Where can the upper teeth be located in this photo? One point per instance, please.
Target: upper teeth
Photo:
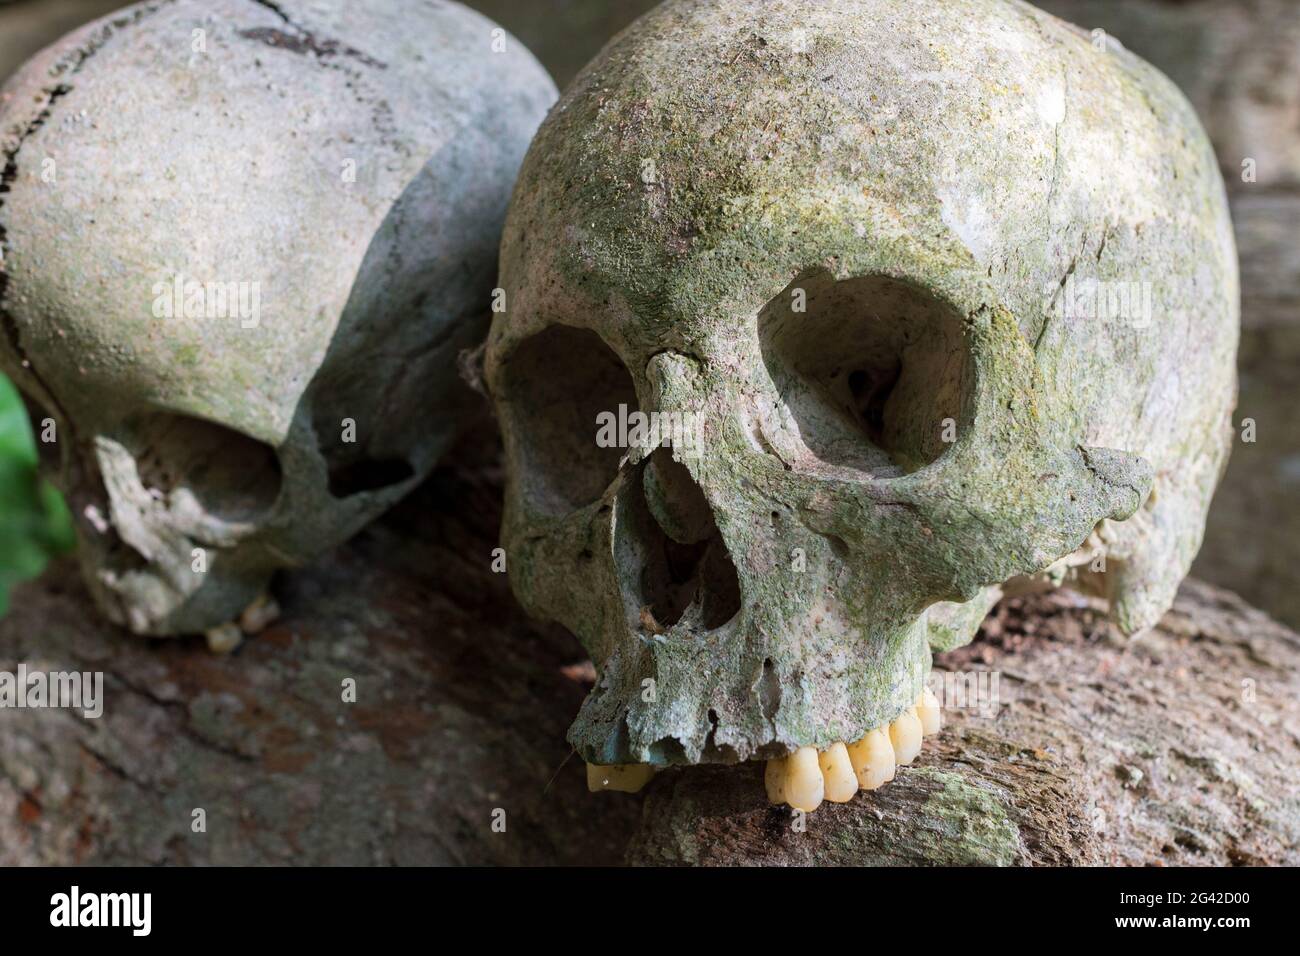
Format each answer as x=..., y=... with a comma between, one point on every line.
x=806, y=777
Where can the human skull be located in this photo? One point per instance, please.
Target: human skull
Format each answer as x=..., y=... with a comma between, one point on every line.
x=243, y=245
x=950, y=294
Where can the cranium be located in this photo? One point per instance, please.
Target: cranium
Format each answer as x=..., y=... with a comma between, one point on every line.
x=951, y=295
x=243, y=245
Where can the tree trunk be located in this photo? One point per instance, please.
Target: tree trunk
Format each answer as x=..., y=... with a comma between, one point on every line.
x=1148, y=751
x=461, y=708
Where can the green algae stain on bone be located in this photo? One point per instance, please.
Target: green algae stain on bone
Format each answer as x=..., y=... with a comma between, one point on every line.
x=703, y=164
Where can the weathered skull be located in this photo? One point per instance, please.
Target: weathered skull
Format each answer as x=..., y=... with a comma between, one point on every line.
x=895, y=259
x=243, y=245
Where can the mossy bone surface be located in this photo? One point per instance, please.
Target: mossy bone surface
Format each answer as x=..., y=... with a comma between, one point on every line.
x=848, y=247
x=243, y=244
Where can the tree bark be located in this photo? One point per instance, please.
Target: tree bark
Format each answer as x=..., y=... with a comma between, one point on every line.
x=1145, y=751
x=461, y=708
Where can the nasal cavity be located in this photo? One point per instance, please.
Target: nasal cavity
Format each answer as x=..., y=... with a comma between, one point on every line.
x=688, y=574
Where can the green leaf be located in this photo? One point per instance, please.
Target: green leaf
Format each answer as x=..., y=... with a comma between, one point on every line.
x=34, y=521
x=15, y=433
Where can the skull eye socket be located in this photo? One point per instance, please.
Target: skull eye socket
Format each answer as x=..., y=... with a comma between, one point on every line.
x=555, y=385
x=873, y=371
x=354, y=466
x=233, y=477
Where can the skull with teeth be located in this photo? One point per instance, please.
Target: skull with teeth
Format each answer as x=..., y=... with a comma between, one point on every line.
x=949, y=298
x=243, y=245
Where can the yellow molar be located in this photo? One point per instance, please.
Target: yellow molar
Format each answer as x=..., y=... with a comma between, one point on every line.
x=905, y=735
x=623, y=777
x=873, y=759
x=804, y=786
x=774, y=779
x=927, y=709
x=839, y=781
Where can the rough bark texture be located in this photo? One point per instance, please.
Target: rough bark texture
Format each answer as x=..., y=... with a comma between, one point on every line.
x=1142, y=752
x=1103, y=751
x=461, y=709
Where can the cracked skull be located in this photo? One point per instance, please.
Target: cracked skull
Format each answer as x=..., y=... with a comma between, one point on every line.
x=243, y=244
x=948, y=300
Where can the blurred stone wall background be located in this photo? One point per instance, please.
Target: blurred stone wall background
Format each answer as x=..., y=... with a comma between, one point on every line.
x=1238, y=61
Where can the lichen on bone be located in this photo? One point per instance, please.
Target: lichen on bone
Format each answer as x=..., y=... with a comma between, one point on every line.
x=944, y=411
